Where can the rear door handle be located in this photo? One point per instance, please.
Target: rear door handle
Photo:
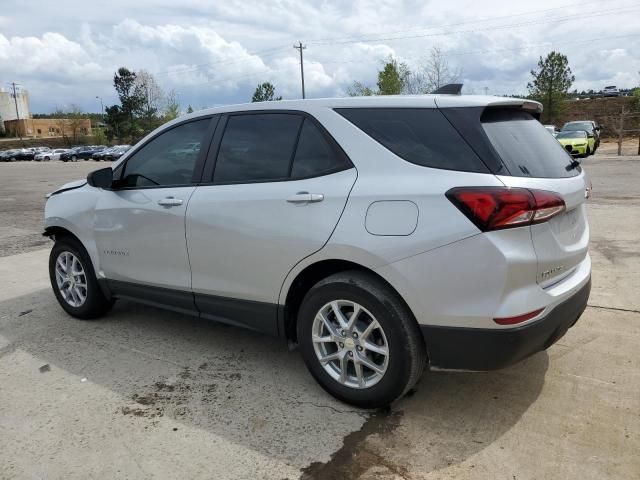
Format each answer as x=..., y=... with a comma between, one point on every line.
x=170, y=202
x=305, y=197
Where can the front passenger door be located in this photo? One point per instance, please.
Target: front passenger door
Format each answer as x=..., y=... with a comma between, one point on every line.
x=139, y=226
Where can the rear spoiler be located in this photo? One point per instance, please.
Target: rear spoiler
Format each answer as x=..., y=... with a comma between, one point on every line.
x=532, y=107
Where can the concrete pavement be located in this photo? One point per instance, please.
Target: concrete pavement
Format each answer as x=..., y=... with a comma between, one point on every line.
x=145, y=393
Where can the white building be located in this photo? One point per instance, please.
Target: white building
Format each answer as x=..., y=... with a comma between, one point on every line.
x=8, y=105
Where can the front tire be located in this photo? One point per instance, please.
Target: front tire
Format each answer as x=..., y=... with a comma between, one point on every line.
x=74, y=281
x=359, y=340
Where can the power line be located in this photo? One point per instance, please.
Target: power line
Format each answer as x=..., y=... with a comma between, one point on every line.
x=494, y=50
x=549, y=44
x=481, y=20
x=572, y=18
x=301, y=48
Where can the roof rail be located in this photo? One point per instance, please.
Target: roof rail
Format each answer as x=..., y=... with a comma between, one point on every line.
x=449, y=89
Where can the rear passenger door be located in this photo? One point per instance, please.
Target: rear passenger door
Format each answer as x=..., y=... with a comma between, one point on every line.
x=278, y=184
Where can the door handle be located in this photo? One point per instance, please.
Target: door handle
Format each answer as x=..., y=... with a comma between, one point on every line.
x=305, y=197
x=170, y=202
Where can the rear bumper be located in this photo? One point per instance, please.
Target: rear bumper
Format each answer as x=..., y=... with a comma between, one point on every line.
x=490, y=349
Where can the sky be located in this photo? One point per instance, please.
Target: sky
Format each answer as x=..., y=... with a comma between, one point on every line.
x=216, y=52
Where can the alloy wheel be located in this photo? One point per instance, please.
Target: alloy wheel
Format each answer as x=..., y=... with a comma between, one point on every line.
x=71, y=279
x=350, y=344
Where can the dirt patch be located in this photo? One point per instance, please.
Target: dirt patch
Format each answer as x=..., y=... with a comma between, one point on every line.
x=140, y=412
x=183, y=396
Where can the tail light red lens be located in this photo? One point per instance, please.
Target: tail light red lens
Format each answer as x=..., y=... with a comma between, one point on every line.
x=496, y=208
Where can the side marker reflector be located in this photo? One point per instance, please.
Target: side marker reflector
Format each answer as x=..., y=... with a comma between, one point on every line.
x=518, y=319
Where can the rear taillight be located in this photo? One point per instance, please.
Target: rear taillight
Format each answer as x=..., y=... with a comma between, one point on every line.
x=496, y=208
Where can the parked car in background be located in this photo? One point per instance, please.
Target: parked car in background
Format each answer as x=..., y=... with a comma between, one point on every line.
x=8, y=155
x=578, y=143
x=591, y=127
x=70, y=155
x=611, y=91
x=50, y=155
x=84, y=152
x=380, y=234
x=23, y=154
x=552, y=129
x=116, y=152
x=100, y=154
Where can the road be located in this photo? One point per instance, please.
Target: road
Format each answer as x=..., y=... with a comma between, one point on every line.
x=145, y=393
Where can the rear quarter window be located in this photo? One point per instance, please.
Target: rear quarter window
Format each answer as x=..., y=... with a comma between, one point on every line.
x=422, y=136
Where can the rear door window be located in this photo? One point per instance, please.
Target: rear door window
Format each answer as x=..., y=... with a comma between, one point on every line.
x=257, y=148
x=525, y=147
x=422, y=136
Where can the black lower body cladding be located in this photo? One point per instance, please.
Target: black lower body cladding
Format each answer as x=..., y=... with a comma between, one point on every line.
x=484, y=349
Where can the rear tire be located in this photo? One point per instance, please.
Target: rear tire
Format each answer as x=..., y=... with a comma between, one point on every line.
x=74, y=281
x=383, y=324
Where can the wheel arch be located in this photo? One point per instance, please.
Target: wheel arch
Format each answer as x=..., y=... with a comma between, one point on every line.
x=307, y=278
x=57, y=230
x=54, y=231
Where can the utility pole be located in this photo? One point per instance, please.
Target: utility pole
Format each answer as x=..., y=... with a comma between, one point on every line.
x=301, y=47
x=15, y=101
x=101, y=107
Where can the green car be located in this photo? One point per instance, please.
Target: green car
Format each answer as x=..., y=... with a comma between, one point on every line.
x=577, y=143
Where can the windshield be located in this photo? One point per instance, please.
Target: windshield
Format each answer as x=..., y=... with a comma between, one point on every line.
x=586, y=126
x=578, y=134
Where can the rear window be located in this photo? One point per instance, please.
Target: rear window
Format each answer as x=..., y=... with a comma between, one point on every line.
x=422, y=136
x=525, y=147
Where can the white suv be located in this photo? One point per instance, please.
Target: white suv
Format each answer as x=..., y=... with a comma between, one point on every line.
x=379, y=234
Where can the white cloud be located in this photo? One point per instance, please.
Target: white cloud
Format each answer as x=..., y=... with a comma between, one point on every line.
x=216, y=52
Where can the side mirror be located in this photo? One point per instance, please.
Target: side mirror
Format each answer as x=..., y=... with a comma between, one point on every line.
x=102, y=178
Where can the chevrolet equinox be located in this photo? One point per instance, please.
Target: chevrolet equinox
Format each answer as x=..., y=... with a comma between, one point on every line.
x=380, y=234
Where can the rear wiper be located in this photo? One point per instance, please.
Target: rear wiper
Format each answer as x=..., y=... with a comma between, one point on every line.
x=574, y=164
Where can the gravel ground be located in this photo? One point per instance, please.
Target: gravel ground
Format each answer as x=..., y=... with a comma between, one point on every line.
x=23, y=186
